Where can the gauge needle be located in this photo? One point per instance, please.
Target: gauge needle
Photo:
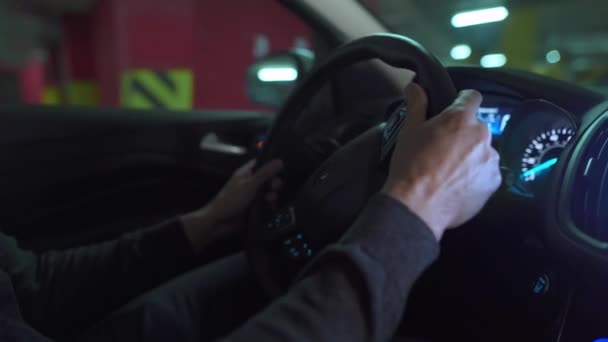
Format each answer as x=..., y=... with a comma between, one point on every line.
x=541, y=167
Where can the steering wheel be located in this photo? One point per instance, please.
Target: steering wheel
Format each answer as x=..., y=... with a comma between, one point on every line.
x=281, y=242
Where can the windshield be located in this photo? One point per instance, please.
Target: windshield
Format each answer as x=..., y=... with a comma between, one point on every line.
x=563, y=39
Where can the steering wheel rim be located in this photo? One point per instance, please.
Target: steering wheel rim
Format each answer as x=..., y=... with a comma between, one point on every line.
x=394, y=50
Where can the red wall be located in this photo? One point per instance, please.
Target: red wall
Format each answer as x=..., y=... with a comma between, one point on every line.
x=215, y=39
x=225, y=42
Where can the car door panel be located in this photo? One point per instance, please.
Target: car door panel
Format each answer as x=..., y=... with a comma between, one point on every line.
x=73, y=175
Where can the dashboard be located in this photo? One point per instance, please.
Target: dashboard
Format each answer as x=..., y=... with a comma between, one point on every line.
x=510, y=271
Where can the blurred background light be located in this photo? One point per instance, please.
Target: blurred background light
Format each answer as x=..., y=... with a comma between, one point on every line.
x=553, y=57
x=494, y=60
x=278, y=74
x=460, y=52
x=480, y=16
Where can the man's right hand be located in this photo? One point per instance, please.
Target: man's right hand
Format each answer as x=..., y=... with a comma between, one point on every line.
x=444, y=169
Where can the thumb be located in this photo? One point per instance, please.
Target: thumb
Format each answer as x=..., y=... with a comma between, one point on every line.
x=268, y=171
x=417, y=103
x=245, y=169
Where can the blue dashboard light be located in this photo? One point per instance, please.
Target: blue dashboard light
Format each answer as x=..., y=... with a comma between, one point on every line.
x=601, y=339
x=541, y=285
x=541, y=167
x=496, y=118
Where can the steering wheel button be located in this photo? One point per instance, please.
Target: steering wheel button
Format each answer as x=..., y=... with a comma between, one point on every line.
x=541, y=285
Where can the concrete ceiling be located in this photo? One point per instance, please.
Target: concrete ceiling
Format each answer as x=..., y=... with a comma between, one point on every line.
x=561, y=24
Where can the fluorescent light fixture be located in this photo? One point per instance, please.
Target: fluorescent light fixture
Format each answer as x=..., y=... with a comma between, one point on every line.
x=553, y=57
x=277, y=74
x=480, y=16
x=460, y=52
x=495, y=60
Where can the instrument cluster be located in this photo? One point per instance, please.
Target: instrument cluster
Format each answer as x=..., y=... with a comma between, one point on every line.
x=530, y=136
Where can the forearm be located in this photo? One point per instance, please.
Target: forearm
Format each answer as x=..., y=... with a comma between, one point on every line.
x=357, y=289
x=78, y=286
x=200, y=228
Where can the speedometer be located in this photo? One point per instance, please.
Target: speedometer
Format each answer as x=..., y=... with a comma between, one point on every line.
x=533, y=142
x=543, y=152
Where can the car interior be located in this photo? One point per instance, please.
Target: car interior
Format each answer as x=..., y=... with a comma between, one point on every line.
x=530, y=267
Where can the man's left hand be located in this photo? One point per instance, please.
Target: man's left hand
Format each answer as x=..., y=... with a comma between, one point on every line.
x=224, y=216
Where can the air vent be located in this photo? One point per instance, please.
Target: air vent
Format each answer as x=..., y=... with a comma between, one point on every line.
x=589, y=207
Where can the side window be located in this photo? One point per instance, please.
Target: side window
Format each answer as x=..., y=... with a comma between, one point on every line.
x=179, y=55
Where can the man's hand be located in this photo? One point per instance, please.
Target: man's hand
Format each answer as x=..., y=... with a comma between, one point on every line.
x=444, y=169
x=224, y=215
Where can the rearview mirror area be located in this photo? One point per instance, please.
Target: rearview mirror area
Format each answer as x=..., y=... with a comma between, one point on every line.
x=271, y=79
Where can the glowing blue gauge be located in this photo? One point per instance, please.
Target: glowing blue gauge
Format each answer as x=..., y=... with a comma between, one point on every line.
x=496, y=118
x=540, y=168
x=543, y=152
x=601, y=339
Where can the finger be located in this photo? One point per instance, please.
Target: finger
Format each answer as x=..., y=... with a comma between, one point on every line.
x=487, y=134
x=467, y=103
x=417, y=104
x=247, y=168
x=496, y=176
x=495, y=157
x=268, y=171
x=276, y=184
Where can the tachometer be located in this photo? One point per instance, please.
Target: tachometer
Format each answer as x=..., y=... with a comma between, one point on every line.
x=543, y=152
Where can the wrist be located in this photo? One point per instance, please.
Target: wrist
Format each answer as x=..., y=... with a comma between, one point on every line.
x=420, y=203
x=198, y=226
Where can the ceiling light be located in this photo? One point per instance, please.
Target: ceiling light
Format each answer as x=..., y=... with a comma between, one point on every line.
x=495, y=60
x=460, y=52
x=277, y=74
x=553, y=57
x=481, y=16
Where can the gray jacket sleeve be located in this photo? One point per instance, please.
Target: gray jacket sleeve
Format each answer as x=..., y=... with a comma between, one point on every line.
x=357, y=289
x=59, y=291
